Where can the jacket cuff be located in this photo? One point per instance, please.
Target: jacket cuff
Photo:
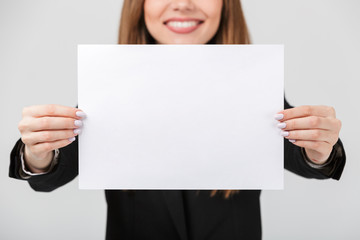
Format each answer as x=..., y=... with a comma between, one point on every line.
x=24, y=173
x=333, y=167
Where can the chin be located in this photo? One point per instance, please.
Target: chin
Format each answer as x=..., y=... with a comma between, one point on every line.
x=182, y=41
x=185, y=42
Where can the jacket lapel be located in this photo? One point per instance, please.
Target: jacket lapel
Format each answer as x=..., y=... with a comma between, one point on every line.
x=174, y=202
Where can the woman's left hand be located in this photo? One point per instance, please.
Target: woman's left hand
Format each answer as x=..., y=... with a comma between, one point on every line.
x=314, y=128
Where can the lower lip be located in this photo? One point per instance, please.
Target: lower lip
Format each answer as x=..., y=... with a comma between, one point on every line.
x=182, y=29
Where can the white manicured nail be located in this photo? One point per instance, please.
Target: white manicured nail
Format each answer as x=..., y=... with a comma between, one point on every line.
x=292, y=140
x=80, y=114
x=282, y=125
x=72, y=139
x=78, y=123
x=279, y=116
x=77, y=131
x=284, y=133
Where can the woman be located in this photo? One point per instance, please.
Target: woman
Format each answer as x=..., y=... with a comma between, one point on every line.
x=46, y=154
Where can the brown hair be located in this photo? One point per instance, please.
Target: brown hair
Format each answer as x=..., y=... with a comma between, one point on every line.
x=232, y=30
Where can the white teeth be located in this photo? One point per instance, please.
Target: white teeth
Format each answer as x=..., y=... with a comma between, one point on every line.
x=182, y=24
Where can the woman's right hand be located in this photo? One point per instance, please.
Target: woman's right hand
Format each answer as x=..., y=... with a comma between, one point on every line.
x=45, y=128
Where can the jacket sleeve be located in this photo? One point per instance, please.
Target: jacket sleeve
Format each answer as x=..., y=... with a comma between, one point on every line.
x=63, y=172
x=294, y=160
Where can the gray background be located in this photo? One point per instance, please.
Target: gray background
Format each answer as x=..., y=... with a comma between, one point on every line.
x=38, y=45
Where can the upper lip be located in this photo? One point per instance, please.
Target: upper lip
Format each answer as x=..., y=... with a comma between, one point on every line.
x=183, y=20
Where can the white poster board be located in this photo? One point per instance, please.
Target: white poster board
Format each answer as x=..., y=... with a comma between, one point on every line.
x=180, y=116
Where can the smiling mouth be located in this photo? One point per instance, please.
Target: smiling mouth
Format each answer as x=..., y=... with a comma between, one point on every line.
x=183, y=26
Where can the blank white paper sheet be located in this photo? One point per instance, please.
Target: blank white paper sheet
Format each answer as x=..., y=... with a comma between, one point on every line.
x=180, y=116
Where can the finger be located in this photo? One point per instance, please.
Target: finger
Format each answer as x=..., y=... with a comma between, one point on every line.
x=312, y=122
x=53, y=123
x=52, y=110
x=310, y=135
x=305, y=111
x=49, y=146
x=319, y=146
x=48, y=136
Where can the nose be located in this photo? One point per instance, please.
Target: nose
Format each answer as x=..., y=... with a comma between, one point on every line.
x=182, y=5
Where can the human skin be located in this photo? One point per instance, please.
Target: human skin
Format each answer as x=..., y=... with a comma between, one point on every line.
x=204, y=14
x=314, y=128
x=45, y=128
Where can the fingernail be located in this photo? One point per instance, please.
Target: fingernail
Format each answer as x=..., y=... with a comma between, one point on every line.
x=80, y=114
x=281, y=125
x=279, y=116
x=77, y=131
x=72, y=139
x=78, y=123
x=292, y=140
x=284, y=133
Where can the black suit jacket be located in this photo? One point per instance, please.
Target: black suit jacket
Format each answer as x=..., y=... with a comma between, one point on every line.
x=178, y=214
